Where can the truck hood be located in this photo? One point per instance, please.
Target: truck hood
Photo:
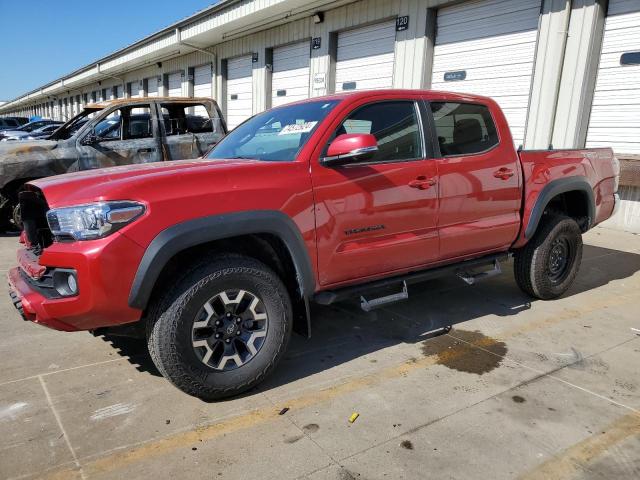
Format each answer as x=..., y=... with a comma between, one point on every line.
x=132, y=182
x=12, y=152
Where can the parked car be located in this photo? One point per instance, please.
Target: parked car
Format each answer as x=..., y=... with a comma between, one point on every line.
x=117, y=132
x=28, y=127
x=217, y=261
x=9, y=123
x=40, y=132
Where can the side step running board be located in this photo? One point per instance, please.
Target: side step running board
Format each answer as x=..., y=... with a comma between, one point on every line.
x=471, y=278
x=368, y=305
x=328, y=297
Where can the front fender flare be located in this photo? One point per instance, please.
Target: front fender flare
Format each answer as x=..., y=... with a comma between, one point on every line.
x=555, y=188
x=195, y=232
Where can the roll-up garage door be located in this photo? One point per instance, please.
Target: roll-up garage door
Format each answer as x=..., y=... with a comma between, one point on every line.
x=615, y=114
x=239, y=90
x=202, y=81
x=290, y=79
x=202, y=86
x=174, y=82
x=365, y=57
x=152, y=87
x=487, y=47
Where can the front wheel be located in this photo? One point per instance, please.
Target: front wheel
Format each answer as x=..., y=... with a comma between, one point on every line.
x=546, y=267
x=224, y=328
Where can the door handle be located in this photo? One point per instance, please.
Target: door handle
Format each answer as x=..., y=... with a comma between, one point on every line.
x=503, y=173
x=422, y=183
x=146, y=150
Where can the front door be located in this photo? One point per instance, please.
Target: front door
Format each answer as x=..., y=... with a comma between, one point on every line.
x=378, y=216
x=124, y=136
x=479, y=180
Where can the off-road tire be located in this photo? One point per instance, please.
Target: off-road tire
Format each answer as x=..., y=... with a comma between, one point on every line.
x=172, y=315
x=532, y=262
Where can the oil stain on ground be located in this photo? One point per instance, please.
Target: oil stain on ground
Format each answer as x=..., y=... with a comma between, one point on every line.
x=466, y=351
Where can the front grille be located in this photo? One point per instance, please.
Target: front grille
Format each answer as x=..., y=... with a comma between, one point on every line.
x=33, y=208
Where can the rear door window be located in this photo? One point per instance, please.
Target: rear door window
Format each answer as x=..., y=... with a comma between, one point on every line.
x=463, y=128
x=182, y=119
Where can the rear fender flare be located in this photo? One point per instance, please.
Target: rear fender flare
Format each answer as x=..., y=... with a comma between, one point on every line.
x=182, y=236
x=555, y=188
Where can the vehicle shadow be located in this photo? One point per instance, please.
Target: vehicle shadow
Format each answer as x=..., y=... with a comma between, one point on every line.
x=343, y=332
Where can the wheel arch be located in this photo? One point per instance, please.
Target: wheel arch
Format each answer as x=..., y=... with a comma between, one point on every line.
x=571, y=196
x=273, y=230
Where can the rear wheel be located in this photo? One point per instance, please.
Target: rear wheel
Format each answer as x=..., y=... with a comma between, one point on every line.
x=546, y=267
x=224, y=328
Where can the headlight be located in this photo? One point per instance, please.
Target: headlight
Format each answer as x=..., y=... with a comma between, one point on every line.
x=95, y=220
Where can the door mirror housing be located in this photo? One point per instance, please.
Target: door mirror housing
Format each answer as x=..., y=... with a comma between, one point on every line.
x=350, y=148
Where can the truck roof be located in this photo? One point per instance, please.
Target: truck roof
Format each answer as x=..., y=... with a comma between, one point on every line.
x=128, y=101
x=393, y=91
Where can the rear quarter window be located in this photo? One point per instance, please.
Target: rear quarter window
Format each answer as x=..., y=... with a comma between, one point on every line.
x=463, y=128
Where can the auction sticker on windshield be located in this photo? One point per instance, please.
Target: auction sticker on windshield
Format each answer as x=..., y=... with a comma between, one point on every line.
x=297, y=128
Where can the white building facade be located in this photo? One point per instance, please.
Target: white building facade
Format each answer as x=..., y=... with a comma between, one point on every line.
x=566, y=72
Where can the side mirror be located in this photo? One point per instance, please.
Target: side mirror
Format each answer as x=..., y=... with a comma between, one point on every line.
x=350, y=148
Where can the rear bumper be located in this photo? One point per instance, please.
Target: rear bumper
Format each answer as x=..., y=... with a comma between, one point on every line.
x=105, y=269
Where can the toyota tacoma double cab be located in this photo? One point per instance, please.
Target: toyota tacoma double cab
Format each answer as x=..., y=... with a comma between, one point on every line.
x=105, y=134
x=217, y=261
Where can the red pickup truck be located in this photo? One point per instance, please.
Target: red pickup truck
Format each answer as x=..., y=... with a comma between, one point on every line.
x=216, y=260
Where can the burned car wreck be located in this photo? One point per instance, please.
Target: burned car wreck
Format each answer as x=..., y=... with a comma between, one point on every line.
x=107, y=134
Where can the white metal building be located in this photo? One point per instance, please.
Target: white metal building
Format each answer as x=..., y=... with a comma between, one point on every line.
x=566, y=72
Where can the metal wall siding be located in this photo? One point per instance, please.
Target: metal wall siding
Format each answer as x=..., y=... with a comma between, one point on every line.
x=615, y=121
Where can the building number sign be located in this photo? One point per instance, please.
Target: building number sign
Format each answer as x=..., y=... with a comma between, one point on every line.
x=402, y=23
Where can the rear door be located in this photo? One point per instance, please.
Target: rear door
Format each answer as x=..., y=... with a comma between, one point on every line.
x=189, y=130
x=377, y=216
x=479, y=181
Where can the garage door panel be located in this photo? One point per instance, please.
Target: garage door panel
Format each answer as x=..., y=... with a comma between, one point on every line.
x=202, y=85
x=486, y=18
x=618, y=7
x=175, y=84
x=152, y=87
x=365, y=57
x=504, y=52
x=614, y=120
x=291, y=77
x=494, y=43
x=239, y=90
x=367, y=49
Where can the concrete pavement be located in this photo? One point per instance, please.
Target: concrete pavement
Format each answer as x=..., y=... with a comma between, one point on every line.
x=517, y=389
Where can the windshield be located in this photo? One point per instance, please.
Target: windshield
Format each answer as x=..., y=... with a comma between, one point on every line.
x=275, y=135
x=70, y=128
